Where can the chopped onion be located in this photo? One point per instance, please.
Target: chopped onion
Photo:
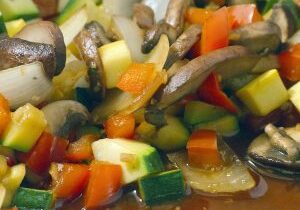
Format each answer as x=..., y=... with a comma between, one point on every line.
x=25, y=84
x=74, y=25
x=159, y=53
x=159, y=7
x=119, y=7
x=132, y=34
x=231, y=178
x=63, y=116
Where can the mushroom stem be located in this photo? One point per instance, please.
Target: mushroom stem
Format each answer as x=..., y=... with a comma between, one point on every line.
x=175, y=14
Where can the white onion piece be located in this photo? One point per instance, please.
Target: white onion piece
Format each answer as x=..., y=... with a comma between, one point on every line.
x=59, y=112
x=232, y=178
x=74, y=25
x=119, y=7
x=159, y=7
x=159, y=53
x=25, y=84
x=132, y=34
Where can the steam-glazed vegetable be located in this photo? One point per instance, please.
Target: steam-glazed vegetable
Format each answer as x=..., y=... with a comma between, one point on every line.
x=124, y=104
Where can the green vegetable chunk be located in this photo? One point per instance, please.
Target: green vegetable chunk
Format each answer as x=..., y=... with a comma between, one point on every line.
x=136, y=159
x=70, y=9
x=225, y=126
x=33, y=199
x=162, y=187
x=2, y=24
x=16, y=9
x=198, y=112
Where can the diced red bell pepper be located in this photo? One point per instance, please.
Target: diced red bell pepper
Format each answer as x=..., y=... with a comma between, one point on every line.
x=69, y=180
x=47, y=149
x=215, y=32
x=81, y=150
x=241, y=15
x=210, y=92
x=196, y=15
x=120, y=126
x=290, y=63
x=105, y=181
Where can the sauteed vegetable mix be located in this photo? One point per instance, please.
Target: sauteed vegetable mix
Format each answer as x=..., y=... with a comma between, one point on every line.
x=166, y=104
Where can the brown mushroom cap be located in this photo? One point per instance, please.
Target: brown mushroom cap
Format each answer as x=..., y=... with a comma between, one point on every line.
x=46, y=32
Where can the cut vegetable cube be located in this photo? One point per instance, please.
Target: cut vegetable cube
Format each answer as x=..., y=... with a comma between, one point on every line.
x=203, y=149
x=163, y=187
x=294, y=93
x=136, y=159
x=197, y=112
x=14, y=26
x=33, y=199
x=264, y=94
x=116, y=59
x=14, y=177
x=3, y=166
x=26, y=126
x=2, y=195
x=172, y=136
x=15, y=9
x=70, y=9
x=225, y=126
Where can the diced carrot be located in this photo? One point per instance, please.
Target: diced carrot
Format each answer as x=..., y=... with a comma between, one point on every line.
x=69, y=180
x=203, y=149
x=105, y=181
x=120, y=126
x=5, y=116
x=210, y=92
x=197, y=15
x=137, y=77
x=215, y=32
x=81, y=149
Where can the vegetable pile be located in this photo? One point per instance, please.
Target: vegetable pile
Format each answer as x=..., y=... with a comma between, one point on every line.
x=101, y=98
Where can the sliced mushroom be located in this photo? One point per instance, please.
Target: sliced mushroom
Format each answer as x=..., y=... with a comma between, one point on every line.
x=65, y=116
x=259, y=37
x=86, y=43
x=172, y=25
x=175, y=14
x=183, y=44
x=97, y=32
x=15, y=52
x=283, y=17
x=143, y=15
x=191, y=75
x=46, y=32
x=152, y=36
x=47, y=8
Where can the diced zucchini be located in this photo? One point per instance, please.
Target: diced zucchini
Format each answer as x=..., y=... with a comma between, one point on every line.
x=2, y=24
x=145, y=131
x=26, y=126
x=163, y=187
x=172, y=136
x=70, y=9
x=198, y=112
x=33, y=199
x=227, y=125
x=294, y=93
x=116, y=59
x=14, y=177
x=264, y=94
x=15, y=9
x=136, y=159
x=14, y=26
